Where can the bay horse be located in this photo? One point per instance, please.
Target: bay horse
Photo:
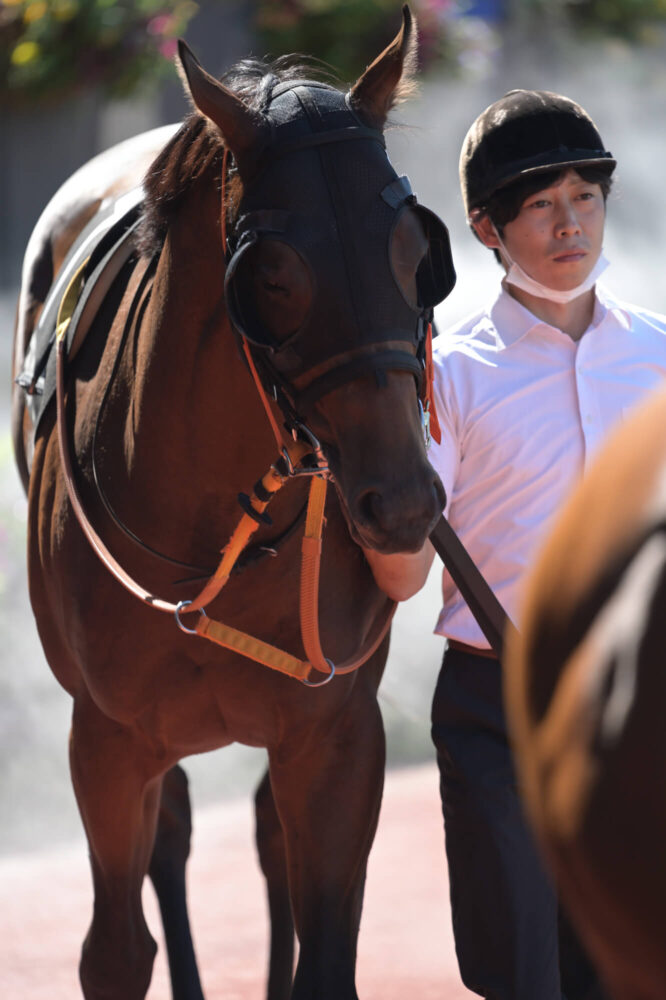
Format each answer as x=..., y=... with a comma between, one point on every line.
x=275, y=303
x=586, y=697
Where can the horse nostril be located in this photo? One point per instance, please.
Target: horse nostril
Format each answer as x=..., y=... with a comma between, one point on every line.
x=369, y=506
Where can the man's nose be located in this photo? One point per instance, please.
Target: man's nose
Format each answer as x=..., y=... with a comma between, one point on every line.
x=568, y=223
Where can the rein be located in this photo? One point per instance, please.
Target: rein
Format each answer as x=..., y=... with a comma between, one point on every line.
x=290, y=464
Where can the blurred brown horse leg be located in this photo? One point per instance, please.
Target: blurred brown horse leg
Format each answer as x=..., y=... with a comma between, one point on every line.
x=167, y=873
x=329, y=806
x=273, y=861
x=108, y=757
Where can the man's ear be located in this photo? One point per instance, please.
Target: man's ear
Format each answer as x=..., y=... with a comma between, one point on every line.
x=484, y=228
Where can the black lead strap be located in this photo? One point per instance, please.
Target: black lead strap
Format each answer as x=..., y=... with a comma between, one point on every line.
x=487, y=610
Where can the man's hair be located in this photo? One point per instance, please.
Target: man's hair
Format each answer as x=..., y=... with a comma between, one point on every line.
x=504, y=205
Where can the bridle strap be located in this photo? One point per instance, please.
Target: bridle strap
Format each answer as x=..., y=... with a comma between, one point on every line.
x=262, y=394
x=429, y=392
x=275, y=658
x=366, y=364
x=309, y=604
x=96, y=543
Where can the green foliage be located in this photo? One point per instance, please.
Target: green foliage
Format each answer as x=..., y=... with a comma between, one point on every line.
x=347, y=34
x=50, y=48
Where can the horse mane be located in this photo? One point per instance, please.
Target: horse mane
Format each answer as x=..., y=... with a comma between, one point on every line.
x=197, y=147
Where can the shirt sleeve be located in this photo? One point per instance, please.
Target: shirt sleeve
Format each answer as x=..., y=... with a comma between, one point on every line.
x=444, y=457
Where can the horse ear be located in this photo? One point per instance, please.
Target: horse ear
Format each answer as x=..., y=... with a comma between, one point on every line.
x=244, y=130
x=390, y=78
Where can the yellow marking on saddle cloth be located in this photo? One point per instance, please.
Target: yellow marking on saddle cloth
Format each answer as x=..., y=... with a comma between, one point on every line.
x=69, y=300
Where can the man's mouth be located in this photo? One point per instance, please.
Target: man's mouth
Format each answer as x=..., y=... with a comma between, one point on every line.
x=570, y=256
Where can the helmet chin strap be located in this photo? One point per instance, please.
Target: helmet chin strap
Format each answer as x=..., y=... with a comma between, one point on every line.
x=519, y=278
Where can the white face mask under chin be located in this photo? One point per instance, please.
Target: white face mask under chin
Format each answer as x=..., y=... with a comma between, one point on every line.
x=519, y=278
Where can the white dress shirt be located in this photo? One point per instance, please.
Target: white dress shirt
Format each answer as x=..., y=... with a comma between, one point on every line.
x=523, y=408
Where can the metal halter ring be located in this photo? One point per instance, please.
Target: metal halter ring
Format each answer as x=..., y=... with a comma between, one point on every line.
x=318, y=684
x=320, y=468
x=180, y=607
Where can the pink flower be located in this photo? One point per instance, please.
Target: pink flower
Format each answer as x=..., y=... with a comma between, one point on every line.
x=440, y=5
x=169, y=48
x=160, y=24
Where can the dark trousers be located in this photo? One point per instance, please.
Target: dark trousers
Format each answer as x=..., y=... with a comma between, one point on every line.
x=511, y=940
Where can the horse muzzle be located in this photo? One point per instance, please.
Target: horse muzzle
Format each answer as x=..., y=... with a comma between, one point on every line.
x=396, y=513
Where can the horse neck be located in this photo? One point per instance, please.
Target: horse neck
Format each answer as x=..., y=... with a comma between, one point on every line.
x=197, y=419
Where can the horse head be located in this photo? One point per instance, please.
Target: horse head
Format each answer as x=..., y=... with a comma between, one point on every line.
x=332, y=274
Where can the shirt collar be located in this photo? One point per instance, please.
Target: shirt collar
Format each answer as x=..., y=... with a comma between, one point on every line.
x=606, y=302
x=512, y=321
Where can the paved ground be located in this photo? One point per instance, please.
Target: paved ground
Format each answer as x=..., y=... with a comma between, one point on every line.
x=405, y=949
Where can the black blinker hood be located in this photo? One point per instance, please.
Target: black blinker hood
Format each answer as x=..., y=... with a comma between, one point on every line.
x=336, y=206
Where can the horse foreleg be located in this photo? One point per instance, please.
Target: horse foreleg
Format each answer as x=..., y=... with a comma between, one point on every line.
x=167, y=873
x=328, y=788
x=117, y=785
x=273, y=861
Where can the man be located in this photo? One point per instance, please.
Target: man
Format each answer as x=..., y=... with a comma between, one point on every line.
x=525, y=392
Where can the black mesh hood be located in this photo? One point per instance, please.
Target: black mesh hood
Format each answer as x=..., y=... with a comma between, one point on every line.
x=326, y=201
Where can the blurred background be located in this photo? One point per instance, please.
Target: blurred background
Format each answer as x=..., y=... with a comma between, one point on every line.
x=76, y=76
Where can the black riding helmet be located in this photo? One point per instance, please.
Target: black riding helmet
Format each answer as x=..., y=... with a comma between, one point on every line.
x=524, y=133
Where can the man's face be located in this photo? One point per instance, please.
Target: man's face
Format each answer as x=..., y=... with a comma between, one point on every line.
x=558, y=233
